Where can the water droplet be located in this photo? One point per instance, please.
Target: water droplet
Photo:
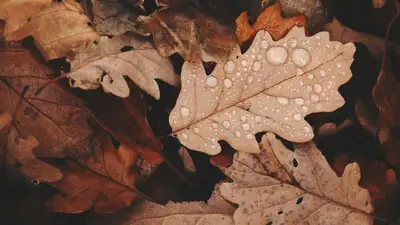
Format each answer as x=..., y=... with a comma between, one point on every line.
x=317, y=88
x=338, y=65
x=277, y=56
x=297, y=117
x=244, y=63
x=243, y=118
x=301, y=57
x=314, y=98
x=299, y=101
x=304, y=109
x=227, y=83
x=238, y=74
x=246, y=126
x=212, y=146
x=258, y=119
x=196, y=130
x=249, y=136
x=299, y=72
x=310, y=76
x=318, y=37
x=306, y=129
x=322, y=73
x=245, y=87
x=256, y=66
x=211, y=81
x=214, y=125
x=264, y=44
x=309, y=88
x=259, y=56
x=226, y=124
x=250, y=79
x=283, y=100
x=185, y=111
x=184, y=136
x=238, y=134
x=293, y=42
x=230, y=67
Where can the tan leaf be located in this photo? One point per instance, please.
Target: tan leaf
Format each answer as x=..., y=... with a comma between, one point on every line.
x=321, y=197
x=216, y=211
x=271, y=87
x=56, y=29
x=104, y=64
x=113, y=18
x=20, y=149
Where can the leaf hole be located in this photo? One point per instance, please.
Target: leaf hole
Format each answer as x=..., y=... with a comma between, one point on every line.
x=89, y=24
x=95, y=42
x=269, y=223
x=299, y=200
x=59, y=0
x=35, y=182
x=114, y=141
x=78, y=1
x=280, y=212
x=127, y=48
x=295, y=163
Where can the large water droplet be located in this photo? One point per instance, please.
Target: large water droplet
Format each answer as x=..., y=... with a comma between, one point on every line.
x=238, y=134
x=230, y=67
x=246, y=126
x=256, y=66
x=211, y=81
x=283, y=100
x=277, y=56
x=297, y=117
x=299, y=101
x=226, y=124
x=264, y=44
x=301, y=57
x=227, y=83
x=317, y=88
x=314, y=98
x=185, y=111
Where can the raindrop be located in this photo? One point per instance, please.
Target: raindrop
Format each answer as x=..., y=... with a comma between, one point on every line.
x=304, y=108
x=310, y=76
x=309, y=88
x=297, y=117
x=299, y=72
x=293, y=42
x=249, y=136
x=338, y=65
x=301, y=57
x=317, y=88
x=214, y=125
x=322, y=73
x=256, y=66
x=227, y=83
x=283, y=100
x=244, y=63
x=184, y=136
x=226, y=124
x=259, y=56
x=211, y=81
x=258, y=119
x=196, y=130
x=243, y=118
x=306, y=129
x=264, y=44
x=318, y=37
x=185, y=111
x=238, y=134
x=246, y=126
x=277, y=56
x=299, y=101
x=314, y=98
x=230, y=67
x=250, y=79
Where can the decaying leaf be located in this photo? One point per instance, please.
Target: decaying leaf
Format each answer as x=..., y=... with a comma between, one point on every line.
x=271, y=20
x=105, y=64
x=189, y=33
x=114, y=17
x=216, y=211
x=271, y=87
x=378, y=3
x=5, y=119
x=105, y=183
x=187, y=160
x=57, y=119
x=20, y=150
x=56, y=29
x=321, y=197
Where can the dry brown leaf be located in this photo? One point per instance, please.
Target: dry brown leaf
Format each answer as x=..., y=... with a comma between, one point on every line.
x=216, y=211
x=321, y=197
x=105, y=64
x=5, y=120
x=56, y=29
x=378, y=3
x=271, y=87
x=105, y=183
x=189, y=33
x=20, y=150
x=271, y=20
x=111, y=17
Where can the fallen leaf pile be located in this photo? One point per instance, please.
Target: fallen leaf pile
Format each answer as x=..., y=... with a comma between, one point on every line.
x=199, y=112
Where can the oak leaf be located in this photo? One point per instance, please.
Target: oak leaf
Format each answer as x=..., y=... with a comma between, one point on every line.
x=5, y=119
x=105, y=64
x=105, y=181
x=216, y=211
x=56, y=29
x=271, y=20
x=189, y=33
x=321, y=197
x=271, y=87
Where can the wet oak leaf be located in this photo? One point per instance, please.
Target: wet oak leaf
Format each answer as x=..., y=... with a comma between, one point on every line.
x=105, y=64
x=57, y=119
x=321, y=197
x=271, y=20
x=271, y=87
x=215, y=211
x=56, y=29
x=189, y=33
x=20, y=150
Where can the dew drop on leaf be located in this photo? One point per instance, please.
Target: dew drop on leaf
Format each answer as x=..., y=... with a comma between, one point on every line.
x=322, y=73
x=317, y=88
x=226, y=124
x=264, y=44
x=238, y=134
x=314, y=98
x=230, y=67
x=211, y=81
x=256, y=66
x=185, y=111
x=297, y=117
x=283, y=100
x=277, y=56
x=246, y=126
x=227, y=83
x=301, y=57
x=299, y=101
